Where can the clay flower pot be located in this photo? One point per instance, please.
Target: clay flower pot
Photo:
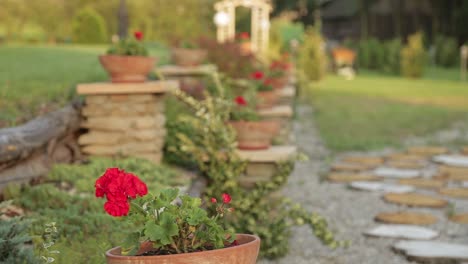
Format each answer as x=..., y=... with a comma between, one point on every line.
x=255, y=135
x=124, y=69
x=244, y=253
x=188, y=57
x=280, y=82
x=267, y=99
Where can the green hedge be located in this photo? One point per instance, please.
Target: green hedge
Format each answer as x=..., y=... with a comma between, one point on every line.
x=413, y=57
x=89, y=27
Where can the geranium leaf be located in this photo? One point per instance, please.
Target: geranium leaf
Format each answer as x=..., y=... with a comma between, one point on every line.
x=163, y=232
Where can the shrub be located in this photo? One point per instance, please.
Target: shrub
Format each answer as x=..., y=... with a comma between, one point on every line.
x=89, y=27
x=13, y=236
x=391, y=59
x=371, y=54
x=413, y=56
x=446, y=53
x=312, y=58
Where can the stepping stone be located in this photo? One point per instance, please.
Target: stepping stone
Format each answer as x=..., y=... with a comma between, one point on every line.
x=433, y=250
x=351, y=167
x=465, y=184
x=460, y=218
x=452, y=160
x=465, y=151
x=342, y=177
x=402, y=231
x=423, y=183
x=427, y=151
x=406, y=157
x=453, y=173
x=381, y=187
x=455, y=192
x=415, y=199
x=406, y=164
x=396, y=173
x=406, y=218
x=372, y=161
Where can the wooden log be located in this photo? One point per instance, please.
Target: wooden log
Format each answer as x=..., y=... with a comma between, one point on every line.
x=18, y=143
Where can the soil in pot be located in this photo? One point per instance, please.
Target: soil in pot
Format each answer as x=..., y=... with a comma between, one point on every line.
x=246, y=252
x=255, y=135
x=124, y=69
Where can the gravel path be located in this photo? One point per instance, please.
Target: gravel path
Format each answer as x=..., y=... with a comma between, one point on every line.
x=349, y=212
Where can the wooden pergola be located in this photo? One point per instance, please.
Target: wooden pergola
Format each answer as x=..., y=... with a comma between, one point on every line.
x=225, y=20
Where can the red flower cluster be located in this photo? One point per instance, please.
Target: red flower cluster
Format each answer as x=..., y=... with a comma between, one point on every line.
x=138, y=35
x=240, y=100
x=257, y=75
x=244, y=35
x=280, y=65
x=226, y=198
x=118, y=187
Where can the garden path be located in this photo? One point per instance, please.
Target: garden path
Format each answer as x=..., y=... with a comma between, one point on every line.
x=348, y=212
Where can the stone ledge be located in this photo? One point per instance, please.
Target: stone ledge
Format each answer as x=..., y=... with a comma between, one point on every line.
x=277, y=111
x=273, y=154
x=153, y=87
x=288, y=91
x=174, y=70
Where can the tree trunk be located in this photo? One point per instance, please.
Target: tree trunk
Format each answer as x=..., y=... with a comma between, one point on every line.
x=28, y=151
x=123, y=19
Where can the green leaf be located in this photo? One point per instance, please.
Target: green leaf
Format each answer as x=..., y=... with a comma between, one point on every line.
x=197, y=216
x=131, y=244
x=163, y=232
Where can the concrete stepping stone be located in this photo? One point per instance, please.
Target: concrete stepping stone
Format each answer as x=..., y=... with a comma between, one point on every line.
x=406, y=164
x=460, y=218
x=415, y=199
x=347, y=177
x=452, y=160
x=402, y=231
x=371, y=161
x=465, y=184
x=433, y=250
x=380, y=187
x=351, y=167
x=405, y=157
x=406, y=218
x=396, y=173
x=427, y=151
x=455, y=192
x=423, y=183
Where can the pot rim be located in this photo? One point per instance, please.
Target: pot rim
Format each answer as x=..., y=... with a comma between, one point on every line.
x=126, y=56
x=256, y=239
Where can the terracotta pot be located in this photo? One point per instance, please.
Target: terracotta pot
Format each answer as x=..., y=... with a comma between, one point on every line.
x=280, y=82
x=245, y=48
x=245, y=253
x=267, y=99
x=255, y=135
x=123, y=69
x=188, y=57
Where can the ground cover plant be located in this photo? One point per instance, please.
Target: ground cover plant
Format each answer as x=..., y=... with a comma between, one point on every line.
x=375, y=110
x=66, y=197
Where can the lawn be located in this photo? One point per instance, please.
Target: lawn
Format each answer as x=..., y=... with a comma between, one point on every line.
x=374, y=111
x=35, y=79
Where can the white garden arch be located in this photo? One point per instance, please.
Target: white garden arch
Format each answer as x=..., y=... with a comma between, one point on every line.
x=225, y=20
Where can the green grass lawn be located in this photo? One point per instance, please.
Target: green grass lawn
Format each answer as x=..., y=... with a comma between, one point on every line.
x=374, y=111
x=34, y=79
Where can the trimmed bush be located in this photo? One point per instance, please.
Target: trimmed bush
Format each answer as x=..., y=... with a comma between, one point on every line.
x=312, y=59
x=89, y=27
x=446, y=51
x=413, y=57
x=392, y=49
x=371, y=54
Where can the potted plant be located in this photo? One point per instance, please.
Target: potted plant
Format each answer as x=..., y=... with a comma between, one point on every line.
x=279, y=72
x=266, y=95
x=170, y=228
x=252, y=133
x=127, y=60
x=188, y=53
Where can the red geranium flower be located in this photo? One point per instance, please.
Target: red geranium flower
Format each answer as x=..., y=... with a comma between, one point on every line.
x=240, y=101
x=257, y=75
x=226, y=198
x=244, y=35
x=138, y=35
x=117, y=208
x=213, y=200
